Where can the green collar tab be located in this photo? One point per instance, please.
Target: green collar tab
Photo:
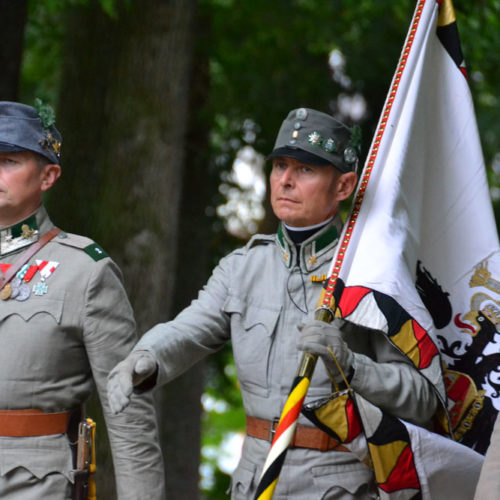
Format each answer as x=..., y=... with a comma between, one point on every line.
x=314, y=251
x=324, y=239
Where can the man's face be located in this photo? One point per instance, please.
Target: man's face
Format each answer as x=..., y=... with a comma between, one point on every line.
x=303, y=195
x=22, y=183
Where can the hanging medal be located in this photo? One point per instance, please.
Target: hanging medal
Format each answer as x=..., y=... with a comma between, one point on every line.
x=15, y=289
x=15, y=286
x=46, y=268
x=6, y=292
x=20, y=289
x=27, y=274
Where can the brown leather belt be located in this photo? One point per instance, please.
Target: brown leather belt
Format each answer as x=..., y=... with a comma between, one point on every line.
x=303, y=437
x=25, y=423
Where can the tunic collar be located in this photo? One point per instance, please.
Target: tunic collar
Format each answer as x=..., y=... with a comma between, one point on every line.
x=25, y=232
x=314, y=251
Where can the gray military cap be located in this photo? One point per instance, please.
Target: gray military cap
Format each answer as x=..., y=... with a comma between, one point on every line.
x=316, y=138
x=23, y=128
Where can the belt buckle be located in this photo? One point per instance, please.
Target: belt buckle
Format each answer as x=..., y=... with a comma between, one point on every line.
x=272, y=429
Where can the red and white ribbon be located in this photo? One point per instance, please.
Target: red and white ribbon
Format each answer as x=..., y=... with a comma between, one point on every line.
x=46, y=267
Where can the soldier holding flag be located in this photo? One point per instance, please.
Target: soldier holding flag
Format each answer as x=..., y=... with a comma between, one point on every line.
x=261, y=298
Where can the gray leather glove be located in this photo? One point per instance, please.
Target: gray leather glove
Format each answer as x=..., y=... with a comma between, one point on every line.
x=129, y=373
x=317, y=336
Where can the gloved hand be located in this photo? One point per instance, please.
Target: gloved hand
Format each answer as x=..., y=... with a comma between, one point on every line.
x=317, y=336
x=129, y=373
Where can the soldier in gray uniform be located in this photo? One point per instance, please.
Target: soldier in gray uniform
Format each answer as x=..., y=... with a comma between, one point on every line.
x=65, y=321
x=258, y=296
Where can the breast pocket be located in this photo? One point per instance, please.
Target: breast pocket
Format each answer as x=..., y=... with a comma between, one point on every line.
x=28, y=309
x=31, y=327
x=252, y=333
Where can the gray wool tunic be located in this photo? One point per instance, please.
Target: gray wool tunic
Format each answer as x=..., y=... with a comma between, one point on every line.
x=58, y=346
x=255, y=299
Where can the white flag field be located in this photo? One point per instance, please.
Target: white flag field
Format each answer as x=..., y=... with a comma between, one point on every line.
x=420, y=247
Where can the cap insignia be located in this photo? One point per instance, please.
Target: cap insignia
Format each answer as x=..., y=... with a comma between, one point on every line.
x=314, y=138
x=50, y=144
x=301, y=114
x=48, y=118
x=350, y=155
x=352, y=150
x=329, y=145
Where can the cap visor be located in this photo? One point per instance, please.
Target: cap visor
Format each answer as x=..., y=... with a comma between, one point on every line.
x=5, y=147
x=299, y=155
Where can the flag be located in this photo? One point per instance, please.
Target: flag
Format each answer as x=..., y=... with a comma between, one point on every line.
x=408, y=462
x=419, y=256
x=419, y=260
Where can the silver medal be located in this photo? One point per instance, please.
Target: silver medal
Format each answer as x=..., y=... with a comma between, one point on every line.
x=15, y=291
x=16, y=283
x=24, y=292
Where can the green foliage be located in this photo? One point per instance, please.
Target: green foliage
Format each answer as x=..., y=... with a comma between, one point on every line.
x=356, y=137
x=479, y=26
x=111, y=7
x=268, y=52
x=44, y=38
x=40, y=71
x=46, y=113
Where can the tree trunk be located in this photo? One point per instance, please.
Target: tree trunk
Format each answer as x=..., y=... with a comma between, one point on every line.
x=125, y=117
x=192, y=272
x=13, y=15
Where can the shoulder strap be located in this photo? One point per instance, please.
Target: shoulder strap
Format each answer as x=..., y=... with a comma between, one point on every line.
x=25, y=256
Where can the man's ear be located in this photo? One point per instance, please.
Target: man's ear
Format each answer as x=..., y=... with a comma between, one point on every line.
x=49, y=175
x=346, y=184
